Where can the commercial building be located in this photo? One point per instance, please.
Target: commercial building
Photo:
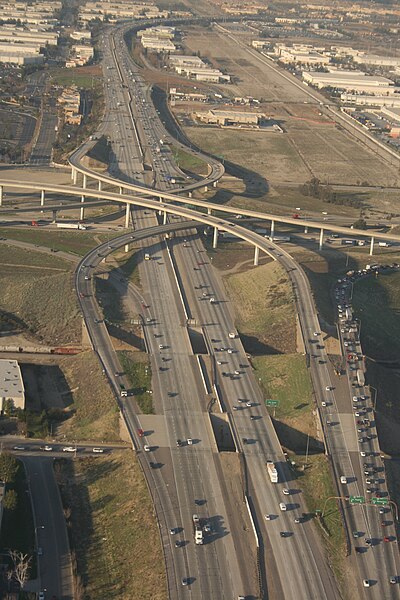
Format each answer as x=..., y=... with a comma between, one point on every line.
x=18, y=35
x=160, y=45
x=356, y=81
x=301, y=54
x=226, y=118
x=12, y=390
x=21, y=59
x=116, y=11
x=391, y=113
x=180, y=61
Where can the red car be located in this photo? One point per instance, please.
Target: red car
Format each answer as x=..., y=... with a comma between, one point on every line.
x=140, y=432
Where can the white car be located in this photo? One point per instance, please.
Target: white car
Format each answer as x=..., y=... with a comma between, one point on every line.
x=267, y=517
x=328, y=388
x=146, y=448
x=316, y=333
x=285, y=492
x=366, y=583
x=69, y=449
x=98, y=450
x=189, y=442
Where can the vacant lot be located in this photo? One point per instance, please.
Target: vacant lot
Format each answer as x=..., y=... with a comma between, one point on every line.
x=38, y=296
x=113, y=528
x=90, y=403
x=264, y=308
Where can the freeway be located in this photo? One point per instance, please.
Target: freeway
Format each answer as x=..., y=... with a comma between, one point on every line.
x=215, y=570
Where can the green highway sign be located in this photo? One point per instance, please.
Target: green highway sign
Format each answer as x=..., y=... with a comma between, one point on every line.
x=272, y=402
x=357, y=499
x=379, y=501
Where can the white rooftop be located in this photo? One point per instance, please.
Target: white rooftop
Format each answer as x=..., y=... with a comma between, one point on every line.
x=11, y=384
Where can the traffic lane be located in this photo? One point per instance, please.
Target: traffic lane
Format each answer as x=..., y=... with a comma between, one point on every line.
x=55, y=566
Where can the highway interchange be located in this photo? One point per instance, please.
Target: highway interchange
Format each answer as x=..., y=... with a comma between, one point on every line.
x=178, y=282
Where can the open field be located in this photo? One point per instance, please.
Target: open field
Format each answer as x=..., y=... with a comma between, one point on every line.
x=77, y=242
x=264, y=309
x=82, y=77
x=188, y=162
x=38, y=296
x=90, y=404
x=112, y=528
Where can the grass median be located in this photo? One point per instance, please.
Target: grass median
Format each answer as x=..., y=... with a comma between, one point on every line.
x=138, y=371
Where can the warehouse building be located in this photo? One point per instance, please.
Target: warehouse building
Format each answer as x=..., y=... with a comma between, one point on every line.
x=356, y=81
x=367, y=100
x=226, y=118
x=11, y=385
x=391, y=113
x=379, y=61
x=187, y=61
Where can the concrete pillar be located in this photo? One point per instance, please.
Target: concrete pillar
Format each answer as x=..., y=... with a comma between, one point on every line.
x=126, y=247
x=82, y=215
x=42, y=198
x=1, y=195
x=272, y=230
x=321, y=239
x=84, y=184
x=75, y=176
x=72, y=173
x=215, y=237
x=371, y=248
x=209, y=211
x=190, y=194
x=256, y=255
x=215, y=184
x=305, y=229
x=127, y=215
x=165, y=218
x=99, y=185
x=206, y=188
x=121, y=190
x=54, y=216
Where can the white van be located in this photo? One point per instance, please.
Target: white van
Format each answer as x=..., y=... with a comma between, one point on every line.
x=343, y=479
x=282, y=506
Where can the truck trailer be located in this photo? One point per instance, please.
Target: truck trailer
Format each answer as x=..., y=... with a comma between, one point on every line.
x=272, y=472
x=71, y=226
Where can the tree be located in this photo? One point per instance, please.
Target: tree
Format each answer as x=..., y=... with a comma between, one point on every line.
x=10, y=500
x=360, y=224
x=8, y=467
x=21, y=567
x=8, y=407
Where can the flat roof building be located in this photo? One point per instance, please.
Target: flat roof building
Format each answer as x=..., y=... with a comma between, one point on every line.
x=391, y=112
x=350, y=80
x=367, y=100
x=230, y=117
x=11, y=384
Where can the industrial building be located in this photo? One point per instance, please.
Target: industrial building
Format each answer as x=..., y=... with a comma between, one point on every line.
x=115, y=11
x=18, y=35
x=367, y=100
x=226, y=118
x=379, y=61
x=160, y=45
x=356, y=81
x=391, y=113
x=180, y=61
x=11, y=385
x=301, y=54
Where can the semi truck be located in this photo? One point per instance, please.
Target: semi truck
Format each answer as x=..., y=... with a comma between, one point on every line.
x=272, y=472
x=71, y=226
x=197, y=530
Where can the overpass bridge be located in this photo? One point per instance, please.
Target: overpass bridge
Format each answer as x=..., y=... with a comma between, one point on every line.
x=172, y=204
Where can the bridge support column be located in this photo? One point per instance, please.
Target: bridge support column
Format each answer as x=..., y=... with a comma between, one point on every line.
x=54, y=216
x=82, y=214
x=99, y=185
x=42, y=193
x=256, y=255
x=206, y=188
x=215, y=237
x=126, y=247
x=321, y=239
x=127, y=215
x=305, y=229
x=209, y=211
x=121, y=190
x=165, y=217
x=84, y=184
x=215, y=184
x=74, y=176
x=1, y=195
x=190, y=194
x=272, y=230
x=371, y=248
